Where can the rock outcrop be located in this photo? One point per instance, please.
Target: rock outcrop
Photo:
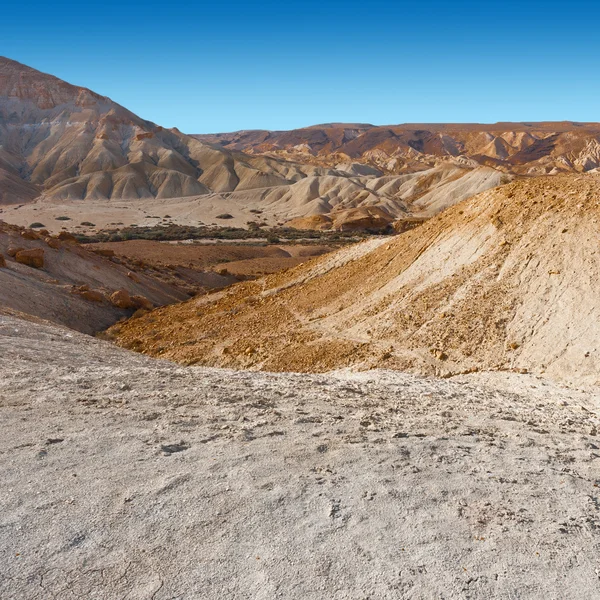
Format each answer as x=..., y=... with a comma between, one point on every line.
x=32, y=258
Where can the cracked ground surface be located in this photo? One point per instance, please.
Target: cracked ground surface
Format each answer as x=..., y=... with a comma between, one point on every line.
x=125, y=477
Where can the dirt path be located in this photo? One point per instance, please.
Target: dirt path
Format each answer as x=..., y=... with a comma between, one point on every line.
x=125, y=477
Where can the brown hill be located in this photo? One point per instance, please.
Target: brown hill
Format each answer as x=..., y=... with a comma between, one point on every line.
x=68, y=142
x=505, y=280
x=520, y=148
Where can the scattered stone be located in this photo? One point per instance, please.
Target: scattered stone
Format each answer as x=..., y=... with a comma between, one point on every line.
x=65, y=236
x=32, y=258
x=103, y=252
x=12, y=250
x=52, y=242
x=169, y=449
x=439, y=354
x=28, y=234
x=140, y=302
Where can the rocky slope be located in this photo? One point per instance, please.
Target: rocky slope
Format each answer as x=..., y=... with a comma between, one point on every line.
x=520, y=148
x=56, y=279
x=126, y=477
x=505, y=280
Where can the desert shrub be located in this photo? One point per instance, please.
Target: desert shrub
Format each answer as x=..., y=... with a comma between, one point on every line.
x=88, y=224
x=63, y=218
x=224, y=216
x=172, y=232
x=37, y=225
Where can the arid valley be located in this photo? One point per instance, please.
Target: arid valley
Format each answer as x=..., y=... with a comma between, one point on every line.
x=344, y=361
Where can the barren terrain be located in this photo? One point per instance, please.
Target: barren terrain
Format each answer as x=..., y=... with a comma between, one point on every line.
x=127, y=477
x=505, y=280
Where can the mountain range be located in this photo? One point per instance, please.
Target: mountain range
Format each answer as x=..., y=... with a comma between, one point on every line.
x=519, y=148
x=66, y=150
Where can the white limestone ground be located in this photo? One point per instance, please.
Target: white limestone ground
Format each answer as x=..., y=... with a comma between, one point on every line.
x=130, y=478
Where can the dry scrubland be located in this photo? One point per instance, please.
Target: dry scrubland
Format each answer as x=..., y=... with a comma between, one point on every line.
x=127, y=477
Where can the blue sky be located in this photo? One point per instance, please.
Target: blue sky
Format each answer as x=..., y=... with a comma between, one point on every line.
x=222, y=66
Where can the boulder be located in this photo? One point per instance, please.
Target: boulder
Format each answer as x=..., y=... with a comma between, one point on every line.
x=28, y=234
x=65, y=236
x=92, y=295
x=12, y=250
x=122, y=299
x=103, y=252
x=32, y=258
x=52, y=242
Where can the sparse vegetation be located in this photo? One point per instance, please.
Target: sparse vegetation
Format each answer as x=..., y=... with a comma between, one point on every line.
x=63, y=218
x=171, y=232
x=88, y=224
x=224, y=216
x=36, y=225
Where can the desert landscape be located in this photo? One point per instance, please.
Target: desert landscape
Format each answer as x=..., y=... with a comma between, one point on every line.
x=343, y=361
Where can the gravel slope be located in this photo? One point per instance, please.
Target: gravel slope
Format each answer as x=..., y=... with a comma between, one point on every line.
x=127, y=477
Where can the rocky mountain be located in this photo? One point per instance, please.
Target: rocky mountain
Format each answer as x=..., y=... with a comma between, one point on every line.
x=69, y=143
x=63, y=143
x=504, y=280
x=519, y=148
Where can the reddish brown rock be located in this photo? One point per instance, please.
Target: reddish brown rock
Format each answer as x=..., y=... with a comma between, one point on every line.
x=133, y=277
x=52, y=242
x=92, y=295
x=12, y=250
x=103, y=252
x=65, y=236
x=122, y=299
x=32, y=258
x=142, y=302
x=2, y=262
x=28, y=234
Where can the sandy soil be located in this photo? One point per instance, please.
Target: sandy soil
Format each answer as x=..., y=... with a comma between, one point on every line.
x=127, y=477
x=243, y=260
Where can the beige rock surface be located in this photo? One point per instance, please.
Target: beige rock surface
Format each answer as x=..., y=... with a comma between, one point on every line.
x=126, y=477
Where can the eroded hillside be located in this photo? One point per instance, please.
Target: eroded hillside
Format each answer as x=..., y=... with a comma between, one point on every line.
x=505, y=280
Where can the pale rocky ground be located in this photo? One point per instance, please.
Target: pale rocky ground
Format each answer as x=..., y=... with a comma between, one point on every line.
x=127, y=477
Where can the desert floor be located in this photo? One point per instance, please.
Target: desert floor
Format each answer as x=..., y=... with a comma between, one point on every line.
x=127, y=477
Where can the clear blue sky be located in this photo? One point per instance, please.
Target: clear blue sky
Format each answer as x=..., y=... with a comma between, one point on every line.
x=222, y=66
